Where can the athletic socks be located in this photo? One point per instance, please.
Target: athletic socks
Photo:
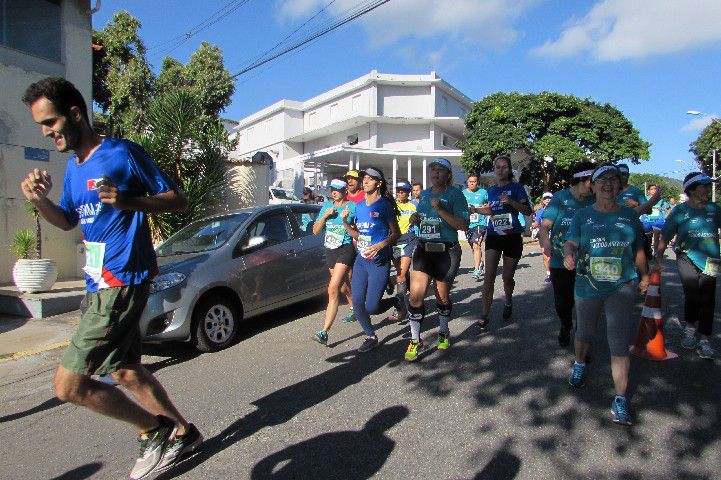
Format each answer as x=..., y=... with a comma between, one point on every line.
x=443, y=323
x=415, y=330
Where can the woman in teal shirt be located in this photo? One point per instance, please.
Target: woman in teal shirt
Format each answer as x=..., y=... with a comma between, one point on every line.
x=696, y=224
x=605, y=245
x=442, y=211
x=339, y=252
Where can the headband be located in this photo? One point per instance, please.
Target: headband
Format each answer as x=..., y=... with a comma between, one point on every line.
x=602, y=170
x=700, y=178
x=585, y=173
x=372, y=172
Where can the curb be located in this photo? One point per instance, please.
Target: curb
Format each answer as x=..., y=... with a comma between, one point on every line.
x=25, y=353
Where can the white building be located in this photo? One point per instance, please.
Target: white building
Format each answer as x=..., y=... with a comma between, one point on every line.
x=396, y=122
x=38, y=39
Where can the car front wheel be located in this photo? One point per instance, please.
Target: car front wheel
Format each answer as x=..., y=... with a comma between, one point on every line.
x=215, y=324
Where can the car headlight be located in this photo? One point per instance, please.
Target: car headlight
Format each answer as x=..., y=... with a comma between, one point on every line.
x=165, y=281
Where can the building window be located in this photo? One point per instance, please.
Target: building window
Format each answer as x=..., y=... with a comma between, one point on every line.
x=448, y=141
x=355, y=103
x=334, y=111
x=32, y=26
x=312, y=119
x=463, y=112
x=444, y=101
x=352, y=139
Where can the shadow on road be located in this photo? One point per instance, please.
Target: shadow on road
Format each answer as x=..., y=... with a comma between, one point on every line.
x=86, y=471
x=46, y=405
x=351, y=455
x=504, y=465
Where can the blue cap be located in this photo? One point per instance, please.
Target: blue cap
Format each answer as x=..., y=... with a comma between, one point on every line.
x=403, y=186
x=442, y=162
x=338, y=184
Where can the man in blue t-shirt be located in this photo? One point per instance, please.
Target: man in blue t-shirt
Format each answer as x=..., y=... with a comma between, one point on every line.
x=476, y=197
x=109, y=188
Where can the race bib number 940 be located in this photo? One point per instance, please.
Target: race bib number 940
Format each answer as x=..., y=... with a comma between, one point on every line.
x=606, y=269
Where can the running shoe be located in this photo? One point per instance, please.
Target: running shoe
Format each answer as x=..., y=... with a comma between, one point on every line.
x=350, y=317
x=578, y=375
x=368, y=344
x=547, y=279
x=482, y=324
x=476, y=274
x=393, y=317
x=443, y=341
x=705, y=350
x=688, y=340
x=564, y=336
x=178, y=447
x=152, y=447
x=414, y=349
x=620, y=411
x=507, y=311
x=321, y=337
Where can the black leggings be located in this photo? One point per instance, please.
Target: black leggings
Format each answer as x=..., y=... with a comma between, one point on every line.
x=564, y=281
x=699, y=291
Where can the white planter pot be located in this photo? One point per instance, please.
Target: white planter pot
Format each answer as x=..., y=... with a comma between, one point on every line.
x=34, y=275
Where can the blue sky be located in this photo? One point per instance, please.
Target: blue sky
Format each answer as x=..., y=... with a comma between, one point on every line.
x=653, y=59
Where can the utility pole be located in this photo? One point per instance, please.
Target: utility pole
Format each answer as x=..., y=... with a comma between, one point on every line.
x=713, y=173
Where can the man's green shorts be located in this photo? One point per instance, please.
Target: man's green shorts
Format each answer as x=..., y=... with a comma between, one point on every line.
x=108, y=336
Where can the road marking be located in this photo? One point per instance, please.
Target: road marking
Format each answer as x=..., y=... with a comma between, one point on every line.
x=14, y=356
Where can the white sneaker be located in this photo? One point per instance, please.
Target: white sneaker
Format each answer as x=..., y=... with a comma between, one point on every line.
x=688, y=341
x=705, y=350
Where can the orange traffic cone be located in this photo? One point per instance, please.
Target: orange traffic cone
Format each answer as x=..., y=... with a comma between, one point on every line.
x=649, y=339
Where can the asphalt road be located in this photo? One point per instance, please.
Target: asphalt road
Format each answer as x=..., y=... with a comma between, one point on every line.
x=278, y=405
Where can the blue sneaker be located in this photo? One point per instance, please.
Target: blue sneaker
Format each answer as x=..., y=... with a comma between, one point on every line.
x=476, y=274
x=578, y=375
x=620, y=411
x=350, y=317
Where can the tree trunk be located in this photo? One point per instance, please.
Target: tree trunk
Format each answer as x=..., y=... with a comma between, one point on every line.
x=38, y=239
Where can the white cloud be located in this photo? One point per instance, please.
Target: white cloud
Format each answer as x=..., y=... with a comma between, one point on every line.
x=699, y=123
x=626, y=29
x=479, y=22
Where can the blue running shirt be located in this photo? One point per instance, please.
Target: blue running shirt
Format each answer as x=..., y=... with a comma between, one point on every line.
x=607, y=246
x=698, y=235
x=504, y=220
x=476, y=199
x=372, y=221
x=335, y=233
x=119, y=250
x=433, y=228
x=560, y=211
x=632, y=192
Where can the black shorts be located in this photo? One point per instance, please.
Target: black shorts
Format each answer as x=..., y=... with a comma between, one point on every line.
x=509, y=245
x=344, y=254
x=476, y=234
x=440, y=266
x=405, y=245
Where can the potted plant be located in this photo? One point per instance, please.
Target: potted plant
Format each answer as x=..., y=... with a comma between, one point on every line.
x=31, y=273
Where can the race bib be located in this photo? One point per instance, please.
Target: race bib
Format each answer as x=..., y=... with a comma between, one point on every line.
x=502, y=223
x=475, y=217
x=398, y=250
x=94, y=257
x=430, y=229
x=713, y=267
x=334, y=238
x=606, y=269
x=363, y=242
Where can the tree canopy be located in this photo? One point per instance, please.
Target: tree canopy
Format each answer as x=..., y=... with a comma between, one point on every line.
x=708, y=141
x=670, y=187
x=564, y=127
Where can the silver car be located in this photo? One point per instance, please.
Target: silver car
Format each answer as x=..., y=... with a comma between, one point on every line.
x=222, y=269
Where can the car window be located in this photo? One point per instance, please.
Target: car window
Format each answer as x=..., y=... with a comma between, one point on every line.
x=202, y=235
x=273, y=227
x=305, y=217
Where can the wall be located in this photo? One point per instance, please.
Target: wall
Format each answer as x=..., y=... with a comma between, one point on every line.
x=17, y=130
x=340, y=138
x=350, y=105
x=404, y=101
x=447, y=106
x=404, y=137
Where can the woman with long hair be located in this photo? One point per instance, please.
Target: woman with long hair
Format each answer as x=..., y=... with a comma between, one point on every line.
x=442, y=212
x=506, y=199
x=375, y=231
x=339, y=251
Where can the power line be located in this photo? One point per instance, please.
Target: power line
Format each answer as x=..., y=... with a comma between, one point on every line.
x=369, y=7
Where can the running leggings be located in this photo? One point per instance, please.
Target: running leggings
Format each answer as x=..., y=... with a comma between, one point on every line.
x=619, y=318
x=563, y=281
x=699, y=291
x=367, y=286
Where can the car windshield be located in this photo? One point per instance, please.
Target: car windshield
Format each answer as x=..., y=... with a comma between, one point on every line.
x=205, y=234
x=283, y=194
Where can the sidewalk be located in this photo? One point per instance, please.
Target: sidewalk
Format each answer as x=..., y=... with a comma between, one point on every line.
x=20, y=337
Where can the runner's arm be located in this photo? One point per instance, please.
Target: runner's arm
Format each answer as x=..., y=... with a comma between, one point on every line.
x=457, y=223
x=393, y=236
x=484, y=210
x=52, y=213
x=544, y=236
x=569, y=254
x=352, y=231
x=642, y=269
x=644, y=208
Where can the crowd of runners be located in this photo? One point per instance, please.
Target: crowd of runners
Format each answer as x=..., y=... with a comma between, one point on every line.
x=597, y=237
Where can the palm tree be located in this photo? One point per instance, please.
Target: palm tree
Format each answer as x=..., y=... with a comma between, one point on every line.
x=192, y=149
